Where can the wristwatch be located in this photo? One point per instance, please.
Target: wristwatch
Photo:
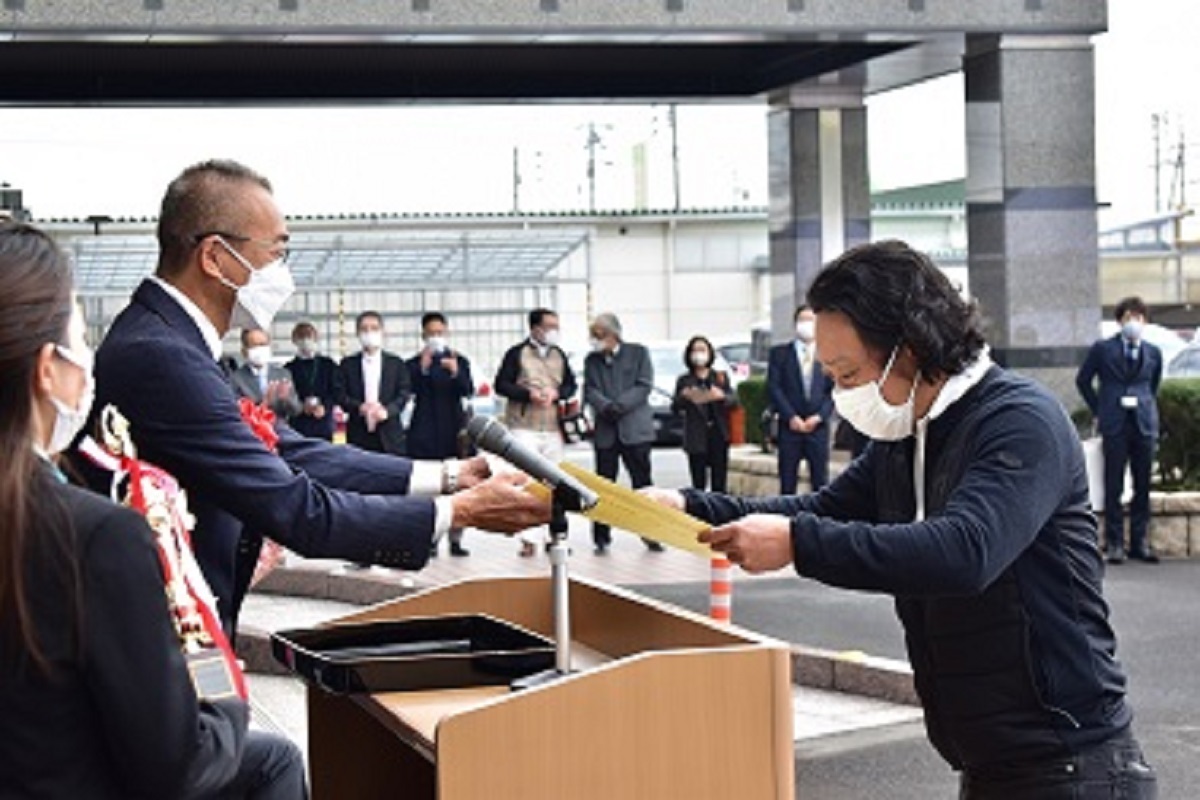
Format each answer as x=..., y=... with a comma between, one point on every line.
x=450, y=469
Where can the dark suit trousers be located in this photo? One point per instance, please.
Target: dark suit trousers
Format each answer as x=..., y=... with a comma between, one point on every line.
x=812, y=447
x=1131, y=447
x=712, y=464
x=272, y=768
x=637, y=463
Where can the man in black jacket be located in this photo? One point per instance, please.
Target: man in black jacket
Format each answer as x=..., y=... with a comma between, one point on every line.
x=970, y=506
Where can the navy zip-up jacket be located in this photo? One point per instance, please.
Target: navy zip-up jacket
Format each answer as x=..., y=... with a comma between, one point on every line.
x=998, y=589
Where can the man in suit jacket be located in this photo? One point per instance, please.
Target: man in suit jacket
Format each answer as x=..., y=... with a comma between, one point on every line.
x=375, y=389
x=259, y=379
x=802, y=395
x=316, y=379
x=1129, y=370
x=222, y=243
x=441, y=381
x=617, y=379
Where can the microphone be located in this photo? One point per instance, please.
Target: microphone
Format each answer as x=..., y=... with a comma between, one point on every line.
x=490, y=434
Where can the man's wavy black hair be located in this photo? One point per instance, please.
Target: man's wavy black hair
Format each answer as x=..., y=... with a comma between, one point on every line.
x=895, y=295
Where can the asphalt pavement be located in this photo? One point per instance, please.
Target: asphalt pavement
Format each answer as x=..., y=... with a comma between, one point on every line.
x=1156, y=613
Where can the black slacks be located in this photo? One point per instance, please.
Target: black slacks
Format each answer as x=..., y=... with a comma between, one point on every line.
x=710, y=468
x=1127, y=447
x=637, y=463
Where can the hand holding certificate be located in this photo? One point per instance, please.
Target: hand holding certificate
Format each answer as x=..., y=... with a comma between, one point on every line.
x=638, y=513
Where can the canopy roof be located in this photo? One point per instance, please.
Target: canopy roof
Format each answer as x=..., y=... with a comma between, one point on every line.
x=322, y=261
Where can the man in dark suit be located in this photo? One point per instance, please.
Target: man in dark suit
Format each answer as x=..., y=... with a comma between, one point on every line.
x=375, y=390
x=258, y=379
x=222, y=244
x=802, y=395
x=1129, y=370
x=617, y=379
x=441, y=382
x=317, y=380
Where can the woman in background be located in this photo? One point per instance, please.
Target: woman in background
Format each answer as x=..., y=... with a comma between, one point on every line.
x=704, y=396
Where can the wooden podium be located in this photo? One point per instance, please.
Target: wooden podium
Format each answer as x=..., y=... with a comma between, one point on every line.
x=664, y=704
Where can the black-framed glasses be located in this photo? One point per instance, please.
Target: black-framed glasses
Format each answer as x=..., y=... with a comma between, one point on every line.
x=277, y=248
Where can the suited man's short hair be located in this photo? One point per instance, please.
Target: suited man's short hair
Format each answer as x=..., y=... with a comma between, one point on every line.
x=538, y=316
x=247, y=332
x=1128, y=304
x=366, y=315
x=201, y=201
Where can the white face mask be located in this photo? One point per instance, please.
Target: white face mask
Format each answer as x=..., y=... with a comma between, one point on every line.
x=698, y=358
x=259, y=356
x=865, y=408
x=307, y=348
x=68, y=422
x=597, y=345
x=806, y=329
x=435, y=343
x=371, y=340
x=1132, y=329
x=261, y=297
x=550, y=337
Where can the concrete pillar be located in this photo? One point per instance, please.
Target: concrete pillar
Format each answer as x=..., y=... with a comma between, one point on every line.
x=820, y=201
x=1033, y=256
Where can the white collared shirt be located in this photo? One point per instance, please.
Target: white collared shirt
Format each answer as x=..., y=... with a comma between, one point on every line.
x=262, y=374
x=372, y=367
x=207, y=329
x=804, y=349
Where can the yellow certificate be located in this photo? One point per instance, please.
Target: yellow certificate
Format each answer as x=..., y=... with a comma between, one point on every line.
x=624, y=508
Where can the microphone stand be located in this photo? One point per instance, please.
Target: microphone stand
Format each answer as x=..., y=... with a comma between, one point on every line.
x=561, y=499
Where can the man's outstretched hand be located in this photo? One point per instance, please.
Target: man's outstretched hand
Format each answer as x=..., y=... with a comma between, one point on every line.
x=500, y=504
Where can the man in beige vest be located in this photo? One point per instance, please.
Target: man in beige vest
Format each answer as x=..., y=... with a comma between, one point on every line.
x=535, y=377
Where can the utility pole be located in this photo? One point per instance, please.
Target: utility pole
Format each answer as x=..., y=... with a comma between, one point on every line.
x=1180, y=174
x=672, y=115
x=516, y=178
x=1156, y=122
x=593, y=139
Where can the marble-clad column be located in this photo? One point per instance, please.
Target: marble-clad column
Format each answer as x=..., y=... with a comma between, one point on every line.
x=820, y=200
x=1031, y=200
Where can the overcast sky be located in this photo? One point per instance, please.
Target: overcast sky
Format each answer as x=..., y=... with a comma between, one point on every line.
x=77, y=162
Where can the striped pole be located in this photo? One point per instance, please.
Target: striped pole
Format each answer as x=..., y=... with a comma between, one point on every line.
x=720, y=593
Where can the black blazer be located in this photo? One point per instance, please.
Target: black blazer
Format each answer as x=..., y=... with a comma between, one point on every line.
x=317, y=377
x=438, y=413
x=697, y=417
x=119, y=718
x=789, y=396
x=320, y=500
x=1106, y=360
x=395, y=390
